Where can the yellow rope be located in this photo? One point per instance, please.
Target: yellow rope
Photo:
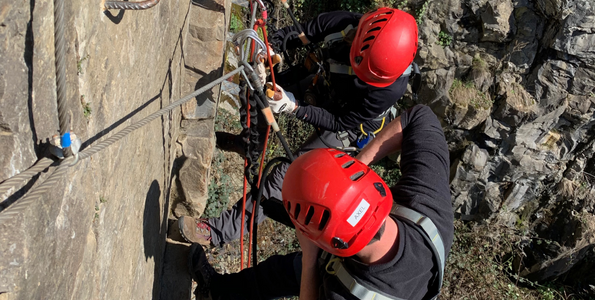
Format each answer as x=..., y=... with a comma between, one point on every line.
x=361, y=127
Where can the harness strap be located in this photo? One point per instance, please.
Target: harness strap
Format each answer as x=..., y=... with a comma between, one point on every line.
x=335, y=267
x=343, y=136
x=347, y=70
x=340, y=69
x=335, y=264
x=431, y=234
x=333, y=37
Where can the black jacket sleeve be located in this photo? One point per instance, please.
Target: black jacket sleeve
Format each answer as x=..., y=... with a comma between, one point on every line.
x=316, y=29
x=424, y=184
x=365, y=106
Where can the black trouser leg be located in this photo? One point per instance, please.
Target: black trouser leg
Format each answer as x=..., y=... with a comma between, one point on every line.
x=278, y=276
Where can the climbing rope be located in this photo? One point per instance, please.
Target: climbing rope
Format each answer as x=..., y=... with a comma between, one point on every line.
x=254, y=147
x=50, y=183
x=130, y=5
x=252, y=244
x=254, y=224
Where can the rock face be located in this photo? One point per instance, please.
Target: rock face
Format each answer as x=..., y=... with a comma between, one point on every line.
x=100, y=232
x=526, y=158
x=205, y=44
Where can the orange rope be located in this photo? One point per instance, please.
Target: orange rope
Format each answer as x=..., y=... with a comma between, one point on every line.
x=260, y=24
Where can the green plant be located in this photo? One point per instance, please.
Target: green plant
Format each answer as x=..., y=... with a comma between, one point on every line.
x=421, y=12
x=360, y=6
x=295, y=131
x=479, y=63
x=96, y=212
x=444, y=39
x=219, y=190
x=388, y=170
x=465, y=93
x=402, y=5
x=547, y=293
x=225, y=121
x=86, y=107
x=102, y=199
x=235, y=23
x=79, y=65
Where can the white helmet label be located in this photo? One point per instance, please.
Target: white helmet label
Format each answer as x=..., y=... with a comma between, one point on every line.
x=358, y=213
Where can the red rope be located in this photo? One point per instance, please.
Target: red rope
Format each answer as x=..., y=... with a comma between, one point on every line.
x=260, y=24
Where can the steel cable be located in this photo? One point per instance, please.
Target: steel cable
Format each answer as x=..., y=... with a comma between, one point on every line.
x=33, y=195
x=116, y=137
x=60, y=61
x=14, y=181
x=130, y=5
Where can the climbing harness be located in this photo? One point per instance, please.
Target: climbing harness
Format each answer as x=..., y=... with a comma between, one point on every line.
x=429, y=231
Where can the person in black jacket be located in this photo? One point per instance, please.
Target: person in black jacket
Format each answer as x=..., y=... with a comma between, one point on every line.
x=384, y=255
x=372, y=77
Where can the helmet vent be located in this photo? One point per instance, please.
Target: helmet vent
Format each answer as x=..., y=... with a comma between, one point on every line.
x=348, y=164
x=364, y=48
x=373, y=29
x=325, y=216
x=309, y=215
x=296, y=213
x=369, y=38
x=288, y=206
x=378, y=21
x=357, y=175
x=340, y=155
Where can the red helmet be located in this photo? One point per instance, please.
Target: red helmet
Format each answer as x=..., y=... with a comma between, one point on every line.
x=335, y=200
x=384, y=46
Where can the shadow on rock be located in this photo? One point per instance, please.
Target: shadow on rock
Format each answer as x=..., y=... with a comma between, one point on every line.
x=154, y=231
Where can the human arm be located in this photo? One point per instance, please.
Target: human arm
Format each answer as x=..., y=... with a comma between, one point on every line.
x=316, y=29
x=425, y=169
x=364, y=103
x=388, y=141
x=309, y=281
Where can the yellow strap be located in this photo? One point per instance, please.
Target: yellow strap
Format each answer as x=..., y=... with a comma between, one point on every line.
x=361, y=127
x=330, y=265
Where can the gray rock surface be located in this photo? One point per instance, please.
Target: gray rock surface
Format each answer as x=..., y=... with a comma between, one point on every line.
x=99, y=233
x=497, y=21
x=204, y=52
x=198, y=143
x=527, y=159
